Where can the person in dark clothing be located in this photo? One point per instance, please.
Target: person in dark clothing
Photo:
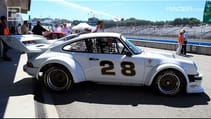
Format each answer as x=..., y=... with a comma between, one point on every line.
x=4, y=31
x=38, y=29
x=12, y=30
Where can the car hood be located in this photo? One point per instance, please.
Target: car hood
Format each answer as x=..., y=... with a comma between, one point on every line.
x=16, y=42
x=158, y=54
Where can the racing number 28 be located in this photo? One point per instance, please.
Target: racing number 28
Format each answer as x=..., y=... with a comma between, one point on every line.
x=127, y=68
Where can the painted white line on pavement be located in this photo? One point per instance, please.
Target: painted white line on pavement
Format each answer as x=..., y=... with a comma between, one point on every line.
x=50, y=109
x=20, y=107
x=23, y=105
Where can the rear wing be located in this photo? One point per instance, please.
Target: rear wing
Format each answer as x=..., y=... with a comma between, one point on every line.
x=26, y=43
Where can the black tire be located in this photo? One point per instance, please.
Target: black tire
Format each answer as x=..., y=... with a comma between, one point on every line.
x=169, y=83
x=57, y=78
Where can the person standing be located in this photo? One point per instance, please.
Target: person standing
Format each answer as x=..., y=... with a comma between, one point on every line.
x=180, y=42
x=185, y=35
x=100, y=42
x=4, y=30
x=18, y=28
x=24, y=28
x=38, y=29
x=55, y=28
x=12, y=30
x=99, y=27
x=66, y=30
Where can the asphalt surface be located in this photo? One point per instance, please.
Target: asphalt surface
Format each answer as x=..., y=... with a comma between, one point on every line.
x=21, y=96
x=15, y=88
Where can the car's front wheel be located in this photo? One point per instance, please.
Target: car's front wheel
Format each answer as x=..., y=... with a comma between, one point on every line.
x=57, y=78
x=169, y=83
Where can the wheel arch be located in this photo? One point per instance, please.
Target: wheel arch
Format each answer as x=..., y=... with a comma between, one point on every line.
x=151, y=76
x=72, y=66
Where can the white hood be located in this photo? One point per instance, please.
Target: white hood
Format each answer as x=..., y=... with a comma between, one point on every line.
x=159, y=54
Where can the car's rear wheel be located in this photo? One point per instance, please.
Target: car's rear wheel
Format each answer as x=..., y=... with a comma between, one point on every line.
x=57, y=78
x=169, y=83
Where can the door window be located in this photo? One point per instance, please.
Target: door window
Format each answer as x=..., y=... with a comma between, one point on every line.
x=99, y=45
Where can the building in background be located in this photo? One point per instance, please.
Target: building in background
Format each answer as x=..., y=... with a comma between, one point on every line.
x=23, y=7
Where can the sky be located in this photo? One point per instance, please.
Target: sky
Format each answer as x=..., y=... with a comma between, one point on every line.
x=154, y=10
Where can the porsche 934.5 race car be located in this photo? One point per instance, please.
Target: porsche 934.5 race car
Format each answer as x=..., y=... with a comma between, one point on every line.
x=109, y=58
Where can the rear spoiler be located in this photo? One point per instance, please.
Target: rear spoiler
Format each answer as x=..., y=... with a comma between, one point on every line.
x=16, y=42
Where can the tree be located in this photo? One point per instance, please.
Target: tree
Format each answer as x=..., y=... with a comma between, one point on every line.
x=177, y=21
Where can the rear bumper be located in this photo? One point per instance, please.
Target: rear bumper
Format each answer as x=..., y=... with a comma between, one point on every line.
x=30, y=71
x=194, y=85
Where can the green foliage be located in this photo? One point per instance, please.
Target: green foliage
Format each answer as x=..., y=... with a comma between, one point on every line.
x=133, y=22
x=138, y=22
x=185, y=21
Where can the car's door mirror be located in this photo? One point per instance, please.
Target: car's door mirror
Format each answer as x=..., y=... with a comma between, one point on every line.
x=129, y=54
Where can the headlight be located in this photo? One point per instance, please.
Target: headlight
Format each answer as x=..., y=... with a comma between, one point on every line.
x=195, y=66
x=173, y=56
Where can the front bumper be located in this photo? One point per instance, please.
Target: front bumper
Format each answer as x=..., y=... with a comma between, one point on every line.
x=194, y=85
x=30, y=71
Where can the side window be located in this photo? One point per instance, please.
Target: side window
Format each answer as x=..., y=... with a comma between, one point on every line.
x=78, y=46
x=108, y=45
x=102, y=45
x=89, y=45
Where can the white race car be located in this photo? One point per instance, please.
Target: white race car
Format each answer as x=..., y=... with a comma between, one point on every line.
x=111, y=58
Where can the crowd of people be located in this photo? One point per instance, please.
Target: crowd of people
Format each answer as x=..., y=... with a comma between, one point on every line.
x=38, y=29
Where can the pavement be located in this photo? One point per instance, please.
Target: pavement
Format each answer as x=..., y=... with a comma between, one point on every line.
x=17, y=96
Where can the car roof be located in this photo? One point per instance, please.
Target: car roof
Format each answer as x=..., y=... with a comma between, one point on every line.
x=98, y=34
x=30, y=37
x=76, y=37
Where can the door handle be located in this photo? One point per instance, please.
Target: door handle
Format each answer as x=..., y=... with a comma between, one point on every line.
x=91, y=58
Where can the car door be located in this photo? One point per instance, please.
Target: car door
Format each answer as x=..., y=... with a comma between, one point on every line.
x=79, y=53
x=108, y=63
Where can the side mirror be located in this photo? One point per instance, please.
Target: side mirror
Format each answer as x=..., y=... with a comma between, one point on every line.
x=129, y=54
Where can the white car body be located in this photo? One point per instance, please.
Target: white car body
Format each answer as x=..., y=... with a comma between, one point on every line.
x=124, y=64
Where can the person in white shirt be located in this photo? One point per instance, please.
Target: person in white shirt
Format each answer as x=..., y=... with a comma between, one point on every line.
x=66, y=29
x=99, y=27
x=55, y=28
x=185, y=35
x=19, y=29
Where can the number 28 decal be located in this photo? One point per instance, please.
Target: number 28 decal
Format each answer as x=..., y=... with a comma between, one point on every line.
x=127, y=68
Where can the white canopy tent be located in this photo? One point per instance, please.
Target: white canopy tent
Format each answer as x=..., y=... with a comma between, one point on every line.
x=82, y=27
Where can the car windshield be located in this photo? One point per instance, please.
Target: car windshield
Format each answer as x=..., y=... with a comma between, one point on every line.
x=134, y=48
